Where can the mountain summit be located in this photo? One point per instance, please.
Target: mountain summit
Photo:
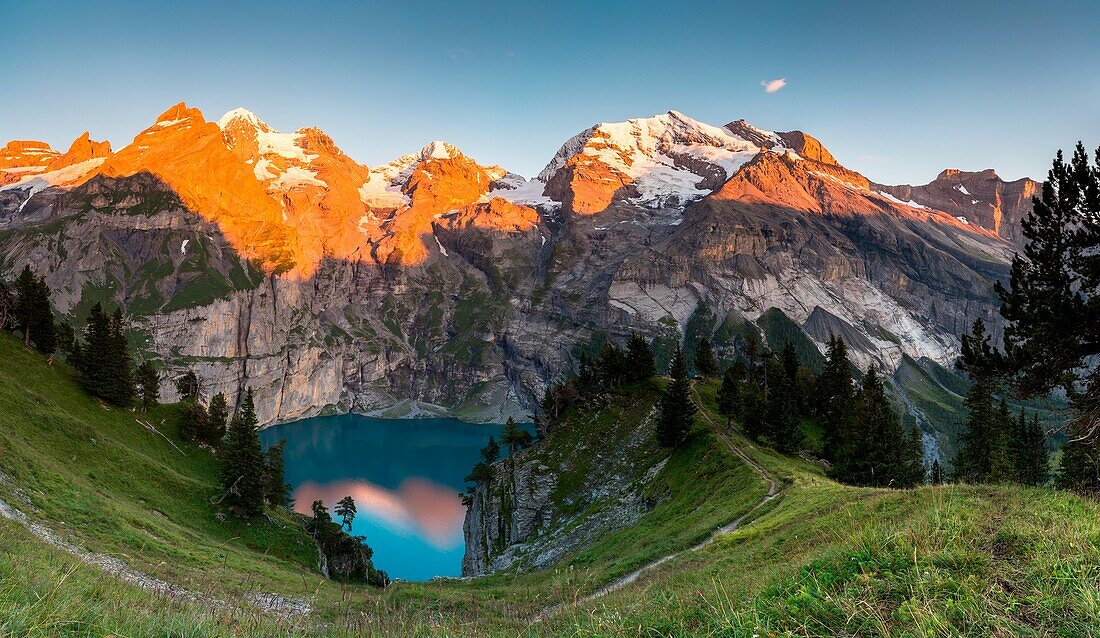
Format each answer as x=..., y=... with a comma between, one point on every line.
x=274, y=260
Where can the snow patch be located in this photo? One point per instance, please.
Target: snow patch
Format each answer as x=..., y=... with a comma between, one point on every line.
x=297, y=176
x=283, y=145
x=183, y=246
x=962, y=189
x=442, y=250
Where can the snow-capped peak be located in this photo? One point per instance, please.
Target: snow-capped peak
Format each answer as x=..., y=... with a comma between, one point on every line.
x=439, y=149
x=242, y=115
x=666, y=157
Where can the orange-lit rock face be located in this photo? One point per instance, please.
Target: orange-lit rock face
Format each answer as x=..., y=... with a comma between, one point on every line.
x=436, y=186
x=497, y=215
x=20, y=158
x=586, y=186
x=814, y=187
x=82, y=149
x=191, y=156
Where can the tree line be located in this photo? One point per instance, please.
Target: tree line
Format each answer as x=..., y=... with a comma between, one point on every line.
x=1051, y=341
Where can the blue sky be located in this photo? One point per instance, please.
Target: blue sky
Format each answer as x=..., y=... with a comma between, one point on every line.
x=895, y=90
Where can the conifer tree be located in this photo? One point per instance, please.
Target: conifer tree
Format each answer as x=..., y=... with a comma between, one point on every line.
x=66, y=341
x=834, y=397
x=148, y=383
x=345, y=509
x=242, y=471
x=514, y=437
x=491, y=452
x=218, y=417
x=877, y=452
x=276, y=490
x=937, y=473
x=7, y=306
x=1080, y=467
x=192, y=420
x=188, y=386
x=1027, y=451
x=639, y=358
x=729, y=394
x=94, y=365
x=611, y=366
x=983, y=453
x=33, y=313
x=676, y=407
x=781, y=409
x=120, y=387
x=705, y=364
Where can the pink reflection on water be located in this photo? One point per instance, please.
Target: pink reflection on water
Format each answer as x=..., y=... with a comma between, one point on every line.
x=433, y=512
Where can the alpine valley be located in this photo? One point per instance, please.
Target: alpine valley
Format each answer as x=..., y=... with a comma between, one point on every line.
x=438, y=285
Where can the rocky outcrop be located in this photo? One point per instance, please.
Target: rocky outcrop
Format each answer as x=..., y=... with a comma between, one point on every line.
x=524, y=518
x=980, y=198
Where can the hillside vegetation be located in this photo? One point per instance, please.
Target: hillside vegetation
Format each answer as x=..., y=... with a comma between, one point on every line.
x=822, y=559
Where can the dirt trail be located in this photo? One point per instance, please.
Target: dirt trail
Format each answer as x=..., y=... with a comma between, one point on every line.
x=773, y=492
x=115, y=567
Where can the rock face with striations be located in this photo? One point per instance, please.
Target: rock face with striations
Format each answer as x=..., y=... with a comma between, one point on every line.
x=434, y=283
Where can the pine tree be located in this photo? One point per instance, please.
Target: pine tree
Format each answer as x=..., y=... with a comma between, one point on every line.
x=276, y=490
x=242, y=459
x=33, y=313
x=514, y=437
x=729, y=394
x=218, y=417
x=1052, y=303
x=912, y=462
x=705, y=364
x=834, y=397
x=611, y=366
x=639, y=358
x=345, y=509
x=188, y=386
x=148, y=383
x=982, y=456
x=7, y=306
x=94, y=365
x=937, y=473
x=1080, y=468
x=781, y=409
x=121, y=385
x=676, y=407
x=1028, y=451
x=192, y=420
x=491, y=452
x=878, y=452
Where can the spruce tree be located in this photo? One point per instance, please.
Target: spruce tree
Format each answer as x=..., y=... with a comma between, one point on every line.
x=33, y=312
x=491, y=452
x=611, y=366
x=878, y=452
x=639, y=358
x=1028, y=451
x=1080, y=467
x=834, y=397
x=122, y=386
x=729, y=394
x=514, y=437
x=242, y=471
x=192, y=420
x=781, y=411
x=94, y=365
x=188, y=386
x=276, y=489
x=937, y=473
x=218, y=417
x=7, y=306
x=148, y=383
x=676, y=407
x=705, y=364
x=982, y=455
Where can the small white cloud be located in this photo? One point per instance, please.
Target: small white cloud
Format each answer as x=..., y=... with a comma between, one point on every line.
x=771, y=86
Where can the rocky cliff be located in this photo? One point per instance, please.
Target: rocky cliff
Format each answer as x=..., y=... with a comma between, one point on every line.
x=436, y=283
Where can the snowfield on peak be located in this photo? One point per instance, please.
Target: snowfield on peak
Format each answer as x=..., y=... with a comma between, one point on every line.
x=669, y=158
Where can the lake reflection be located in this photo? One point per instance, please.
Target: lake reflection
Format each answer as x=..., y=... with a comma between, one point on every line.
x=405, y=476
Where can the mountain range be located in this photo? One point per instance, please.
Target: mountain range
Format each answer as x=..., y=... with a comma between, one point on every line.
x=435, y=284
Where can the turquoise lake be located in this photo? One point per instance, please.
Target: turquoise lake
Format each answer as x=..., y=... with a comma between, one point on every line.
x=404, y=474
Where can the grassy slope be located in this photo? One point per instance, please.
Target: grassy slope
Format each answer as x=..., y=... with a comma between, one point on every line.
x=823, y=560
